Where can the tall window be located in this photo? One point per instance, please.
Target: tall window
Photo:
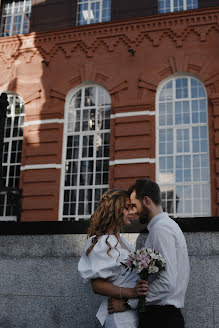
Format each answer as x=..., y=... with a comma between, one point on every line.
x=15, y=17
x=86, y=159
x=183, y=147
x=13, y=137
x=93, y=11
x=166, y=6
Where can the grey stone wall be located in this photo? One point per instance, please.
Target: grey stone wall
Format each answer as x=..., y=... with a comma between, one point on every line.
x=40, y=286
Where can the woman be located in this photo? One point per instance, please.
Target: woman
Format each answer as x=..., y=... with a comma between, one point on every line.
x=104, y=251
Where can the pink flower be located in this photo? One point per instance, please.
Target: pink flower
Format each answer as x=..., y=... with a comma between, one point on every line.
x=144, y=264
x=129, y=262
x=141, y=257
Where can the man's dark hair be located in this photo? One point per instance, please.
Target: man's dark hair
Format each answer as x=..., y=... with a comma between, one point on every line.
x=146, y=187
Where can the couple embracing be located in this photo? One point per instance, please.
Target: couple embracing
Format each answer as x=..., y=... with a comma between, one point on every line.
x=106, y=249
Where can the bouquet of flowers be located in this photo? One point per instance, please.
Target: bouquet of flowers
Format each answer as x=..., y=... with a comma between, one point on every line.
x=146, y=262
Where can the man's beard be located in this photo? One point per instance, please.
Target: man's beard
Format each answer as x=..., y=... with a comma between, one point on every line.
x=144, y=215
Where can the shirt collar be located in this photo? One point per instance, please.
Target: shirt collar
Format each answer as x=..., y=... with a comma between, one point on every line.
x=155, y=219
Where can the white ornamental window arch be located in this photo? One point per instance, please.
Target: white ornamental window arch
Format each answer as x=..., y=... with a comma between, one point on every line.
x=86, y=146
x=182, y=147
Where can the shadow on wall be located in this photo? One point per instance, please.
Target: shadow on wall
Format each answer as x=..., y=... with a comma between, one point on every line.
x=36, y=78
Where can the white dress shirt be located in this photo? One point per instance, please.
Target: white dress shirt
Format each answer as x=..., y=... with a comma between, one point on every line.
x=169, y=287
x=100, y=264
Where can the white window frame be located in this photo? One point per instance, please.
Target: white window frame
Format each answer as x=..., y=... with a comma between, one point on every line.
x=90, y=16
x=92, y=187
x=10, y=139
x=13, y=15
x=175, y=127
x=185, y=6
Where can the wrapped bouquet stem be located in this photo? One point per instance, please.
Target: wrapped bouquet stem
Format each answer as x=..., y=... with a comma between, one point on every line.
x=142, y=299
x=145, y=261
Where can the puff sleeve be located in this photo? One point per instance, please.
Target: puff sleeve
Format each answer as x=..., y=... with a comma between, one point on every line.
x=99, y=263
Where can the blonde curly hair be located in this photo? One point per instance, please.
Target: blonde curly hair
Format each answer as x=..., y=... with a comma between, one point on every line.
x=108, y=217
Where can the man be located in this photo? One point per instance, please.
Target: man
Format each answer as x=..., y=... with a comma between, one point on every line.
x=166, y=292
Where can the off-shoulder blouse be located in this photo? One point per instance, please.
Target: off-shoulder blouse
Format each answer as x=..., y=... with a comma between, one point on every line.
x=100, y=264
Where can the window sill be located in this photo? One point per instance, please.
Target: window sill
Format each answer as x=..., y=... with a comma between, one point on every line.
x=202, y=224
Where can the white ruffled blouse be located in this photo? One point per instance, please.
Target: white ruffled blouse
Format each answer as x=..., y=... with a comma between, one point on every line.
x=99, y=264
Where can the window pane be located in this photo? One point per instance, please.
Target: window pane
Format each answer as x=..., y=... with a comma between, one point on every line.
x=192, y=4
x=93, y=12
x=12, y=151
x=181, y=88
x=15, y=17
x=178, y=5
x=166, y=6
x=183, y=166
x=87, y=150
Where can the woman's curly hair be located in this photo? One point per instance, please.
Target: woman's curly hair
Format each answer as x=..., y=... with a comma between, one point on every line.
x=108, y=216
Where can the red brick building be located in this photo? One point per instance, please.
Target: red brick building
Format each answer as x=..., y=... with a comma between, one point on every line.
x=102, y=93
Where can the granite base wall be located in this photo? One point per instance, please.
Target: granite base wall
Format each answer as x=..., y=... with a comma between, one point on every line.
x=40, y=286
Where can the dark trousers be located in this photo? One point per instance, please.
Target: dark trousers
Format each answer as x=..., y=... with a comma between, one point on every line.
x=161, y=316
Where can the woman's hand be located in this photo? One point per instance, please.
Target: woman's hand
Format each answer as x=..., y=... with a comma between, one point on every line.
x=115, y=305
x=141, y=287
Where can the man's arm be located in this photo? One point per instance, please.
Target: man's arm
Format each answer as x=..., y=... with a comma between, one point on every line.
x=165, y=283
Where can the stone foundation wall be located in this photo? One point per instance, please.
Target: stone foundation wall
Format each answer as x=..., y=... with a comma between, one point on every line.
x=40, y=286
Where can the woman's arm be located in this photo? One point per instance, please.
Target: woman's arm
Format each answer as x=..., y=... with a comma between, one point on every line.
x=106, y=288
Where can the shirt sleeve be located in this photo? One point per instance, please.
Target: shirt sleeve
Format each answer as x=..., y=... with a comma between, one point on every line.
x=99, y=263
x=159, y=288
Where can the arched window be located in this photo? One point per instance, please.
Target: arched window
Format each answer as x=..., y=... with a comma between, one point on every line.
x=93, y=11
x=183, y=148
x=86, y=147
x=12, y=150
x=166, y=6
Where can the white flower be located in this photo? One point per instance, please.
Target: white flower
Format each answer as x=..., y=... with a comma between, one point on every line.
x=153, y=269
x=139, y=267
x=154, y=256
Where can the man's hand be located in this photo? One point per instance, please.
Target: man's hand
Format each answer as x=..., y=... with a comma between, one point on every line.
x=141, y=287
x=115, y=305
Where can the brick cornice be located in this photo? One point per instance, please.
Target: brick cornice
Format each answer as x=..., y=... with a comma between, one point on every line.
x=130, y=32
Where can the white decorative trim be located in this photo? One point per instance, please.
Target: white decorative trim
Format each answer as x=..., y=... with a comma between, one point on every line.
x=8, y=218
x=40, y=167
x=132, y=161
x=145, y=112
x=112, y=116
x=44, y=122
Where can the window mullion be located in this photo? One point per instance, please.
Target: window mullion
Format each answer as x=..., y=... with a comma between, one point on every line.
x=190, y=143
x=22, y=17
x=89, y=12
x=101, y=11
x=172, y=5
x=80, y=151
x=12, y=18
